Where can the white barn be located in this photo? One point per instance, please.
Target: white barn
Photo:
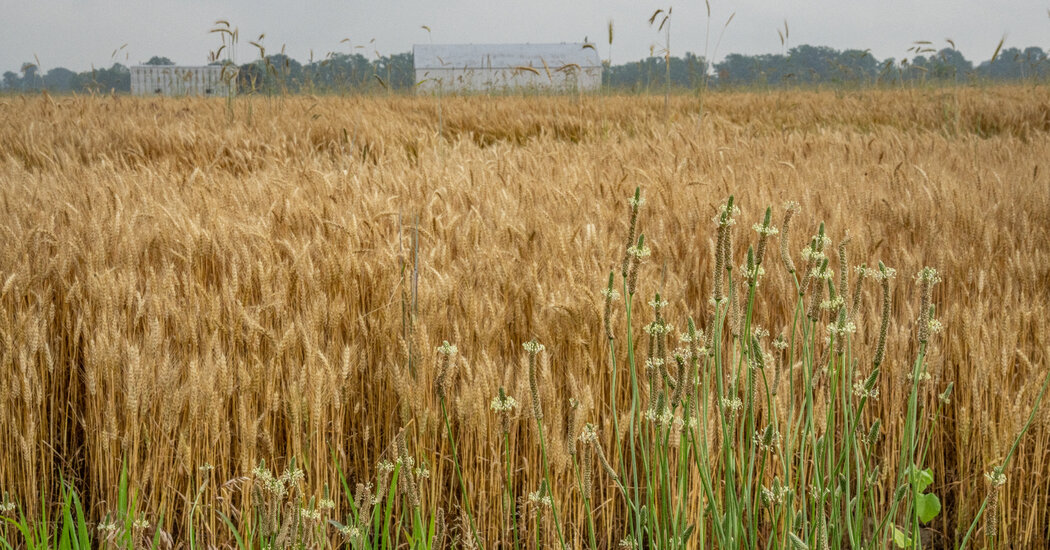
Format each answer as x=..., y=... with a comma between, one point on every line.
x=177, y=80
x=506, y=67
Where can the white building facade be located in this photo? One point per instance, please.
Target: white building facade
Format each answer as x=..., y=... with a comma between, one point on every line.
x=177, y=80
x=572, y=67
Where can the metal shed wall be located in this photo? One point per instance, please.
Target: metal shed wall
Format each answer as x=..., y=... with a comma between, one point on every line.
x=175, y=80
x=506, y=67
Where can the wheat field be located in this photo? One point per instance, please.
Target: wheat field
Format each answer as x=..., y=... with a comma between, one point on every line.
x=192, y=289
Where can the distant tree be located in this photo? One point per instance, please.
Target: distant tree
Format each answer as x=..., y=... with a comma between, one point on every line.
x=949, y=64
x=397, y=70
x=157, y=60
x=59, y=79
x=116, y=78
x=754, y=70
x=857, y=66
x=686, y=73
x=1035, y=62
x=342, y=72
x=1012, y=63
x=813, y=64
x=12, y=81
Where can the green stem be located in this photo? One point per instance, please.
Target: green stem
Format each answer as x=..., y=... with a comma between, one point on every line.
x=459, y=476
x=510, y=491
x=547, y=482
x=629, y=298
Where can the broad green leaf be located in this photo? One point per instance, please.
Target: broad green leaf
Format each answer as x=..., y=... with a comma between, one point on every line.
x=928, y=506
x=923, y=479
x=900, y=539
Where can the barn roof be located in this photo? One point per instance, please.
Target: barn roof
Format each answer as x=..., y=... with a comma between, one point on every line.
x=493, y=56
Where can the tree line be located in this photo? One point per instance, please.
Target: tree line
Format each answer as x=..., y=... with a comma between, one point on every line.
x=802, y=65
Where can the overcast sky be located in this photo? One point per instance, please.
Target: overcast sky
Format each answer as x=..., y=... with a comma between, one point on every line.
x=77, y=34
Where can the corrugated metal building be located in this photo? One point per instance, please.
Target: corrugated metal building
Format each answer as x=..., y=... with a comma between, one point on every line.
x=176, y=80
x=506, y=67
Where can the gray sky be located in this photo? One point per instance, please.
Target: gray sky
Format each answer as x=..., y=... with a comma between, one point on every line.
x=77, y=34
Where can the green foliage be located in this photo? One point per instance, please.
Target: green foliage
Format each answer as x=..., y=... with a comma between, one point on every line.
x=72, y=527
x=927, y=505
x=900, y=539
x=159, y=60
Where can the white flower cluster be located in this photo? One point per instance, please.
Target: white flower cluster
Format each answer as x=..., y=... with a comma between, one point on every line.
x=816, y=256
x=542, y=500
x=506, y=404
x=818, y=273
x=657, y=328
x=754, y=272
x=627, y=542
x=725, y=217
x=447, y=349
x=278, y=485
x=310, y=515
x=780, y=343
x=996, y=478
x=935, y=326
x=833, y=304
x=140, y=524
x=326, y=504
x=924, y=376
x=350, y=532
x=610, y=293
x=860, y=391
x=883, y=273
x=776, y=495
x=732, y=404
x=929, y=275
x=636, y=203
x=6, y=506
x=374, y=499
x=655, y=304
x=767, y=230
x=663, y=418
x=842, y=330
x=767, y=440
x=385, y=466
x=589, y=434
x=108, y=527
x=719, y=304
x=653, y=363
x=422, y=473
x=533, y=347
x=639, y=252
x=768, y=498
x=698, y=350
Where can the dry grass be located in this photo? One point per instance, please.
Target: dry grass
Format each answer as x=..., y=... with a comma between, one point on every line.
x=179, y=290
